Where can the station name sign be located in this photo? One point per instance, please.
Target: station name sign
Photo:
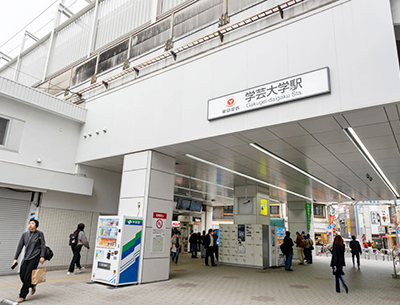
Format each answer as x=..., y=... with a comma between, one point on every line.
x=282, y=91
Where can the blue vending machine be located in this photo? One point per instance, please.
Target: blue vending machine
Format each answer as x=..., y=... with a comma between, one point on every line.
x=117, y=252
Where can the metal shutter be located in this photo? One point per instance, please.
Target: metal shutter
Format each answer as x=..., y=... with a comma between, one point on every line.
x=13, y=216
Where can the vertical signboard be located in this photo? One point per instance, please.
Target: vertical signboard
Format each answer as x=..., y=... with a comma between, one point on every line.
x=308, y=213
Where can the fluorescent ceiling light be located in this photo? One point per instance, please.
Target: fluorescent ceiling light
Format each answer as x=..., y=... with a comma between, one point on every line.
x=247, y=177
x=298, y=169
x=201, y=192
x=364, y=151
x=192, y=178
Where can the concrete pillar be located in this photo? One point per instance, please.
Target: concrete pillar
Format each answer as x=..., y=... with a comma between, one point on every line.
x=147, y=187
x=248, y=199
x=297, y=221
x=209, y=218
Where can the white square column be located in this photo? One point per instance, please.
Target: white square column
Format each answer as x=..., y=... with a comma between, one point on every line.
x=297, y=221
x=147, y=187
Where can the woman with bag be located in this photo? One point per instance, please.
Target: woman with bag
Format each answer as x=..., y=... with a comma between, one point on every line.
x=338, y=262
x=176, y=246
x=76, y=249
x=35, y=249
x=308, y=249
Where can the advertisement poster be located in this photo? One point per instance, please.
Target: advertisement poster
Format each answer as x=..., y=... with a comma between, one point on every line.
x=264, y=207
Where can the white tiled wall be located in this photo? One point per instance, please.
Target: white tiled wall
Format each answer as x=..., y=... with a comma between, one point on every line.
x=57, y=224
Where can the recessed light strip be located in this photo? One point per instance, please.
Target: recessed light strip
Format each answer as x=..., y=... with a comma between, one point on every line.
x=364, y=151
x=263, y=150
x=247, y=177
x=193, y=178
x=201, y=192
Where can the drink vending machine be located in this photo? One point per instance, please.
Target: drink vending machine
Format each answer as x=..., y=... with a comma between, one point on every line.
x=276, y=237
x=117, y=252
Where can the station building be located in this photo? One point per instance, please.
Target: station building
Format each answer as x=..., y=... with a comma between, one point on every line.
x=130, y=106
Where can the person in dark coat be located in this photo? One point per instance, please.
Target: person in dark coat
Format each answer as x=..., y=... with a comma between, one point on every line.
x=209, y=245
x=337, y=262
x=287, y=248
x=193, y=244
x=35, y=249
x=355, y=250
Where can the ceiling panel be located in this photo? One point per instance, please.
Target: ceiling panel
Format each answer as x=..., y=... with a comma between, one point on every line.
x=289, y=130
x=366, y=116
x=329, y=137
x=316, y=145
x=319, y=125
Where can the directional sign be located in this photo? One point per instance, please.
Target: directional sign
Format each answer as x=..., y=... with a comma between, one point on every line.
x=329, y=227
x=398, y=232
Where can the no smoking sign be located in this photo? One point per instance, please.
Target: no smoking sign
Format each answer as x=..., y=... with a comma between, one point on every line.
x=159, y=220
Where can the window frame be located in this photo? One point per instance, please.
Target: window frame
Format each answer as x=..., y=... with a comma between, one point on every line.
x=323, y=211
x=275, y=214
x=226, y=214
x=3, y=143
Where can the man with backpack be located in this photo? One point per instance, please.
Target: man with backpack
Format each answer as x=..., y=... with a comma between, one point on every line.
x=300, y=244
x=35, y=250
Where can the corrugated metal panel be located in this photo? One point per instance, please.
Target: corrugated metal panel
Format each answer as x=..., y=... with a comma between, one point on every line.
x=32, y=64
x=57, y=224
x=235, y=6
x=196, y=16
x=13, y=215
x=71, y=43
x=119, y=17
x=9, y=71
x=166, y=5
x=42, y=100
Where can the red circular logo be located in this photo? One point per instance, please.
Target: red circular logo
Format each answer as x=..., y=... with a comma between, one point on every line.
x=230, y=102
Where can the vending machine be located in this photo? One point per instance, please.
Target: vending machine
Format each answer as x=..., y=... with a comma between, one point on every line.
x=276, y=237
x=117, y=252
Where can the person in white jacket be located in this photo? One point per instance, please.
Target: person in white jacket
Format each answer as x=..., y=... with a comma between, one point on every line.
x=76, y=249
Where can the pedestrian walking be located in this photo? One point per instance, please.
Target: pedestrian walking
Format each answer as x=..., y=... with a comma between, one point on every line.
x=308, y=249
x=176, y=244
x=76, y=249
x=300, y=244
x=202, y=247
x=193, y=244
x=216, y=247
x=355, y=251
x=209, y=245
x=337, y=262
x=287, y=250
x=35, y=249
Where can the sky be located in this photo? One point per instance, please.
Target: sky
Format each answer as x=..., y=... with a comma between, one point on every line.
x=20, y=15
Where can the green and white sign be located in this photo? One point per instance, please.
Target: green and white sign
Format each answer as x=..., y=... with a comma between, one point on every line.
x=309, y=214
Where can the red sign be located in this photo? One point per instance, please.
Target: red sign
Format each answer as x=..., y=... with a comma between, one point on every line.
x=334, y=230
x=176, y=223
x=160, y=215
x=332, y=218
x=196, y=223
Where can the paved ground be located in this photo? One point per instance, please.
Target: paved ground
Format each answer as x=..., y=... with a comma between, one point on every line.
x=193, y=283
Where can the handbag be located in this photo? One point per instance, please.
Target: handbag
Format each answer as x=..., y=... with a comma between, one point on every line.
x=312, y=247
x=38, y=276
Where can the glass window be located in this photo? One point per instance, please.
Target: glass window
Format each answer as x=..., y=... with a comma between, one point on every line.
x=319, y=211
x=274, y=209
x=3, y=130
x=228, y=210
